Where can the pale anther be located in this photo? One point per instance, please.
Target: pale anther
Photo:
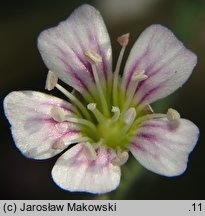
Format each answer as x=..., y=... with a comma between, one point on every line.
x=139, y=76
x=58, y=114
x=90, y=151
x=74, y=100
x=99, y=116
x=120, y=159
x=116, y=111
x=130, y=116
x=93, y=57
x=123, y=40
x=59, y=144
x=172, y=114
x=148, y=109
x=51, y=81
x=91, y=106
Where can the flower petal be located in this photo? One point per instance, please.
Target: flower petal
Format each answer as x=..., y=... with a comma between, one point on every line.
x=73, y=171
x=33, y=128
x=163, y=147
x=165, y=61
x=63, y=48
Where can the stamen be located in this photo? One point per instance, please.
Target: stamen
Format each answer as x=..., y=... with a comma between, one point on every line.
x=94, y=58
x=139, y=76
x=51, y=81
x=74, y=100
x=120, y=159
x=99, y=116
x=59, y=145
x=149, y=109
x=123, y=41
x=90, y=151
x=58, y=114
x=81, y=121
x=136, y=78
x=129, y=118
x=91, y=106
x=116, y=111
x=172, y=115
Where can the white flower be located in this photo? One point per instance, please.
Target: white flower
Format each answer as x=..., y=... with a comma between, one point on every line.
x=108, y=115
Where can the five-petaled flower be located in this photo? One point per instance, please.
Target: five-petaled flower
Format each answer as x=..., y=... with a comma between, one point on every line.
x=107, y=115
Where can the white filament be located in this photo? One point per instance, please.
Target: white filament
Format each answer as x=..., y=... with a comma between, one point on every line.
x=116, y=111
x=93, y=108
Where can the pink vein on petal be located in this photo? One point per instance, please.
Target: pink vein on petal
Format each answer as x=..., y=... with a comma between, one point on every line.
x=93, y=39
x=82, y=83
x=133, y=68
x=152, y=91
x=139, y=147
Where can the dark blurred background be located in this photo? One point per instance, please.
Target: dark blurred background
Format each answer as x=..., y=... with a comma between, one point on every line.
x=21, y=68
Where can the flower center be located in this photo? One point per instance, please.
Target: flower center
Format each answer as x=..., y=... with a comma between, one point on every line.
x=109, y=116
x=114, y=131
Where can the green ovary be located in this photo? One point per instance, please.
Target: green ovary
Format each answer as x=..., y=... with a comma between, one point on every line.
x=111, y=134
